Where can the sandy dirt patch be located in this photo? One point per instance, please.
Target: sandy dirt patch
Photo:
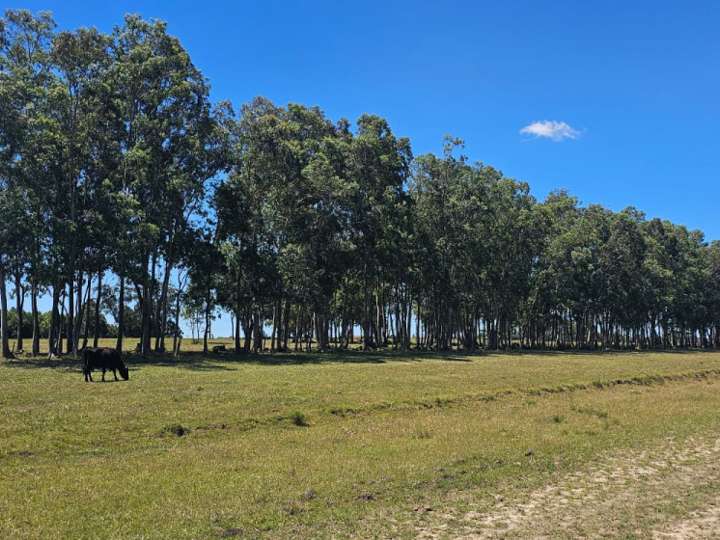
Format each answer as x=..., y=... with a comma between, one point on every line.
x=636, y=493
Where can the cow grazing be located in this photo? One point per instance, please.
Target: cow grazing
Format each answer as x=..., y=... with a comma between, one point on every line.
x=105, y=359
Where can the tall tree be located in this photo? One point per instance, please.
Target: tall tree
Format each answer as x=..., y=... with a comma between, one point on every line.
x=163, y=102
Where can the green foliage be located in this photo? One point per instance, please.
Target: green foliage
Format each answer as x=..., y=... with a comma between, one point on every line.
x=124, y=191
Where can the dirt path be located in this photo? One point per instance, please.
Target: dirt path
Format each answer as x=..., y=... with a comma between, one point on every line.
x=704, y=523
x=668, y=492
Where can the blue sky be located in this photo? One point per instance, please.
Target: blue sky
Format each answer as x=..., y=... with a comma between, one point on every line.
x=636, y=83
x=639, y=81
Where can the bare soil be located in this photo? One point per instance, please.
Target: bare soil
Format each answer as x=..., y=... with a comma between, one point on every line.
x=669, y=492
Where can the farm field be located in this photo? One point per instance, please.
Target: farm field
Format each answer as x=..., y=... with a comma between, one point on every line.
x=361, y=180
x=363, y=445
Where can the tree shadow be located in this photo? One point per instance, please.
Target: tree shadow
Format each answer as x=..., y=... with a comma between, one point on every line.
x=63, y=363
x=218, y=361
x=224, y=361
x=595, y=352
x=198, y=361
x=134, y=362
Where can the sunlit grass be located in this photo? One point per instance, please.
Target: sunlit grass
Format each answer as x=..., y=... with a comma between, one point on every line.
x=316, y=445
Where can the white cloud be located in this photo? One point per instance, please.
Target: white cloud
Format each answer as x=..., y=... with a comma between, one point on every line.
x=551, y=129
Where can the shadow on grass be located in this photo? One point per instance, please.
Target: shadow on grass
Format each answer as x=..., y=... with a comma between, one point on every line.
x=595, y=352
x=221, y=361
x=66, y=363
x=189, y=361
x=198, y=361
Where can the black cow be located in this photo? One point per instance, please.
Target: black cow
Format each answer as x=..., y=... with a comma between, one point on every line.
x=105, y=359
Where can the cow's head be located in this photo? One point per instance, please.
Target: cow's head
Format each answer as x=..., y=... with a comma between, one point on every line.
x=124, y=372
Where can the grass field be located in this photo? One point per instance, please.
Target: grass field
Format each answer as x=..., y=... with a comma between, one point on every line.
x=360, y=445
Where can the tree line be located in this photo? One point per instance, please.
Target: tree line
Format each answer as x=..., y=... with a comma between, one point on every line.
x=125, y=191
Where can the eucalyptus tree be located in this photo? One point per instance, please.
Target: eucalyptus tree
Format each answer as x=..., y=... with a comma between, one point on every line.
x=24, y=79
x=687, y=308
x=512, y=246
x=658, y=267
x=110, y=162
x=162, y=99
x=301, y=162
x=8, y=241
x=544, y=307
x=81, y=61
x=712, y=293
x=317, y=243
x=478, y=240
x=574, y=267
x=204, y=272
x=379, y=165
x=623, y=253
x=263, y=209
x=244, y=262
x=249, y=232
x=437, y=193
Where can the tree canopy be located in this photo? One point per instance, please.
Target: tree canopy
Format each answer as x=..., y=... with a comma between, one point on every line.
x=124, y=190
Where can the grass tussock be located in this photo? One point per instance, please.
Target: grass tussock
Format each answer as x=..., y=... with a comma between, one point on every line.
x=299, y=419
x=177, y=430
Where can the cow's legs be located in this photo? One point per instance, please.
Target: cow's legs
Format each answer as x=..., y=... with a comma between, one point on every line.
x=115, y=374
x=103, y=376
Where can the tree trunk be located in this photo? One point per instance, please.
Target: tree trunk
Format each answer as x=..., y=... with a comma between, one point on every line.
x=121, y=315
x=80, y=312
x=61, y=318
x=35, y=317
x=19, y=306
x=237, y=330
x=98, y=302
x=321, y=331
x=54, y=322
x=86, y=313
x=148, y=280
x=286, y=325
x=257, y=331
x=162, y=306
x=274, y=326
x=207, y=323
x=247, y=332
x=4, y=335
x=368, y=342
x=177, y=335
x=70, y=315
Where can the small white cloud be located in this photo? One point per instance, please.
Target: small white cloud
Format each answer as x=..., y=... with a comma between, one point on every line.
x=550, y=129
